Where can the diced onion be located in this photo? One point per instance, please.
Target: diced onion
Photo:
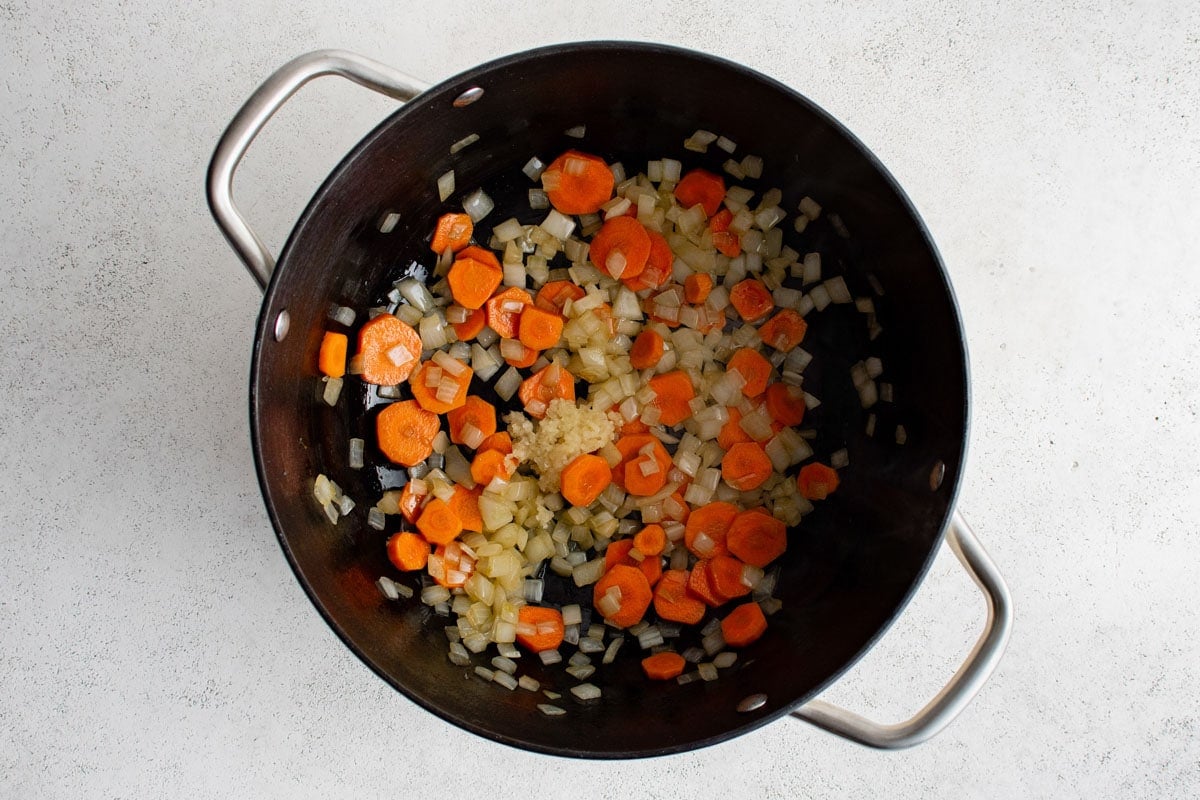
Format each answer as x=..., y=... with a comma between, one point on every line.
x=445, y=185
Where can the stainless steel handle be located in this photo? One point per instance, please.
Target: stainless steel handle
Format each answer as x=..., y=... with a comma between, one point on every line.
x=965, y=684
x=250, y=120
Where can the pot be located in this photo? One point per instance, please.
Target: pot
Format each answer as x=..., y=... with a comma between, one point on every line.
x=853, y=563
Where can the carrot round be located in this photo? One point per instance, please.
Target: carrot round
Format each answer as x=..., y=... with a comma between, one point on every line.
x=539, y=628
x=483, y=256
x=725, y=577
x=578, y=183
x=538, y=329
x=452, y=231
x=475, y=413
x=456, y=566
x=650, y=540
x=465, y=503
x=553, y=295
x=497, y=441
x=550, y=383
x=504, y=310
x=673, y=602
x=727, y=243
x=640, y=483
x=526, y=359
x=466, y=331
x=673, y=392
x=785, y=404
x=621, y=247
x=618, y=552
x=635, y=595
x=784, y=331
x=389, y=349
x=489, y=465
x=472, y=281
x=751, y=299
x=427, y=395
x=701, y=187
x=584, y=479
x=408, y=552
x=697, y=287
x=405, y=432
x=663, y=666
x=658, y=265
x=746, y=466
x=732, y=431
x=817, y=481
x=438, y=523
x=743, y=625
x=630, y=445
x=757, y=538
x=410, y=503
x=713, y=521
x=754, y=369
x=331, y=359
x=700, y=585
x=647, y=349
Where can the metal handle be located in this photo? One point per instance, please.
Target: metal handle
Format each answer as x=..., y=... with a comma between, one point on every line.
x=965, y=684
x=261, y=106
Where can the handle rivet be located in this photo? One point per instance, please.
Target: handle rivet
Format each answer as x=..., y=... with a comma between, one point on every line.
x=469, y=96
x=283, y=323
x=752, y=703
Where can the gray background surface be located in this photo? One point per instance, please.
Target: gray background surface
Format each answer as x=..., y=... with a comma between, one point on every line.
x=152, y=638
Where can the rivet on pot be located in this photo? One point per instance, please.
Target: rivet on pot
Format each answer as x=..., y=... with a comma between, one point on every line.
x=937, y=475
x=283, y=323
x=752, y=703
x=468, y=97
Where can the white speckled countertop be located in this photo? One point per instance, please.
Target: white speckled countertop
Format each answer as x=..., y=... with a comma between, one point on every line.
x=153, y=641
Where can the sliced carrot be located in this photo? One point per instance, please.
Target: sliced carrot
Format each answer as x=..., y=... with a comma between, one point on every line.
x=754, y=369
x=475, y=413
x=465, y=503
x=408, y=552
x=658, y=265
x=720, y=221
x=673, y=392
x=663, y=666
x=466, y=331
x=548, y=384
x=784, y=331
x=630, y=445
x=410, y=503
x=553, y=296
x=746, y=466
x=389, y=350
x=331, y=359
x=483, y=256
x=584, y=479
x=751, y=299
x=621, y=247
x=578, y=183
x=713, y=521
x=727, y=243
x=618, y=552
x=743, y=625
x=405, y=432
x=696, y=287
x=635, y=595
x=785, y=404
x=650, y=540
x=538, y=329
x=452, y=231
x=817, y=481
x=539, y=628
x=438, y=523
x=472, y=281
x=732, y=431
x=701, y=187
x=681, y=503
x=672, y=600
x=456, y=566
x=497, y=441
x=504, y=310
x=725, y=577
x=647, y=349
x=700, y=585
x=426, y=395
x=640, y=483
x=527, y=358
x=757, y=538
x=490, y=464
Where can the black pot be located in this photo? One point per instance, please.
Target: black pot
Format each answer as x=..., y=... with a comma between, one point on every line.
x=852, y=564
